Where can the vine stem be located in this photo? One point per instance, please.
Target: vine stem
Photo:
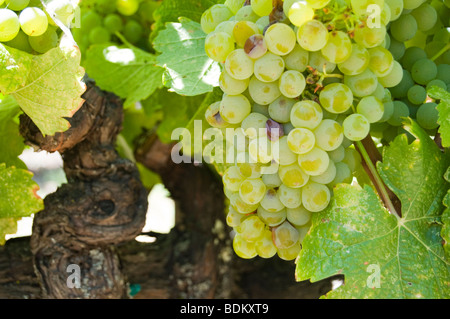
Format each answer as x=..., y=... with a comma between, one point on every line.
x=441, y=52
x=376, y=179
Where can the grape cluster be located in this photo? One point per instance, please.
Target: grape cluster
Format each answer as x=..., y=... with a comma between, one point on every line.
x=419, y=40
x=302, y=80
x=103, y=20
x=25, y=25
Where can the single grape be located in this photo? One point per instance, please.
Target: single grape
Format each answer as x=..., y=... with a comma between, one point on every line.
x=243, y=248
x=337, y=97
x=297, y=59
x=327, y=176
x=290, y=253
x=329, y=135
x=292, y=84
x=265, y=246
x=306, y=114
x=356, y=127
x=20, y=42
x=270, y=202
x=234, y=108
x=343, y=175
x=217, y=45
x=230, y=85
x=298, y=216
x=301, y=140
x=427, y=116
x=357, y=62
x=127, y=7
x=113, y=22
x=107, y=6
x=412, y=4
x=280, y=39
x=417, y=94
x=17, y=5
x=280, y=109
x=232, y=178
x=394, y=77
x=271, y=219
x=239, y=65
x=269, y=67
x=312, y=35
x=240, y=206
x=397, y=49
x=404, y=28
x=262, y=7
x=61, y=10
x=400, y=112
x=271, y=180
x=133, y=31
x=263, y=93
x=370, y=37
x=360, y=7
x=243, y=30
x=213, y=117
x=396, y=7
x=362, y=84
x=9, y=25
x=371, y=107
x=315, y=196
x=425, y=16
x=317, y=4
x=412, y=54
x=254, y=125
x=233, y=218
x=285, y=235
x=293, y=176
x=317, y=61
x=290, y=197
x=299, y=13
x=234, y=5
x=438, y=83
x=226, y=26
x=33, y=21
x=315, y=162
x=338, y=48
x=423, y=71
x=216, y=14
x=45, y=42
x=99, y=35
x=255, y=46
x=252, y=191
x=337, y=155
x=260, y=150
x=401, y=89
x=246, y=13
x=381, y=61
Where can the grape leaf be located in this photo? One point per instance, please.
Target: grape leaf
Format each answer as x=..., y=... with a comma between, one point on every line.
x=128, y=72
x=47, y=87
x=380, y=254
x=18, y=197
x=188, y=70
x=444, y=112
x=445, y=232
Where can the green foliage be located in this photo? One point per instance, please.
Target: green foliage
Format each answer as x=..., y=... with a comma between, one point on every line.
x=444, y=112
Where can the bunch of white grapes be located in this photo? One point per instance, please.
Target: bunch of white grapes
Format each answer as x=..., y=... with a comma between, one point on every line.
x=300, y=84
x=25, y=25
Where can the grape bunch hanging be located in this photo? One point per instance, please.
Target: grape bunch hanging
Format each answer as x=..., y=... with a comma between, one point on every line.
x=28, y=26
x=318, y=73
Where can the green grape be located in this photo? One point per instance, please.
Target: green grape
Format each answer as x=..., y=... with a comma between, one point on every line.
x=400, y=111
x=298, y=216
x=292, y=84
x=240, y=206
x=282, y=153
x=381, y=61
x=404, y=28
x=392, y=78
x=287, y=128
x=312, y=35
x=336, y=98
x=315, y=196
x=127, y=7
x=113, y=22
x=280, y=39
x=297, y=59
x=233, y=218
x=426, y=16
x=360, y=6
x=388, y=110
x=20, y=42
x=243, y=248
x=417, y=94
x=271, y=219
x=301, y=140
x=234, y=5
x=337, y=155
x=269, y=67
x=234, y=108
x=412, y=54
x=217, y=45
x=280, y=109
x=44, y=42
x=352, y=158
x=293, y=176
x=265, y=246
x=396, y=7
x=33, y=21
x=255, y=46
x=246, y=13
x=213, y=117
x=62, y=10
x=290, y=197
x=327, y=176
x=270, y=201
x=238, y=65
x=343, y=175
x=427, y=116
x=356, y=127
x=254, y=125
x=262, y=7
x=412, y=4
x=263, y=23
x=401, y=89
x=263, y=93
x=271, y=180
x=306, y=114
x=260, y=150
x=107, y=6
x=285, y=235
x=133, y=31
x=443, y=35
x=443, y=73
x=434, y=47
x=338, y=48
x=9, y=25
x=226, y=26
x=99, y=35
x=379, y=93
x=317, y=4
x=315, y=162
x=213, y=16
x=370, y=37
x=17, y=5
x=243, y=30
x=290, y=253
x=231, y=86
x=90, y=20
x=299, y=13
x=362, y=84
x=317, y=61
x=438, y=83
x=287, y=5
x=357, y=62
x=371, y=108
x=397, y=49
x=232, y=179
x=423, y=71
x=252, y=191
x=329, y=135
x=247, y=168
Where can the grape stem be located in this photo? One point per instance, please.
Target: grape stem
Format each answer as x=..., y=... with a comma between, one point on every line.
x=376, y=179
x=441, y=52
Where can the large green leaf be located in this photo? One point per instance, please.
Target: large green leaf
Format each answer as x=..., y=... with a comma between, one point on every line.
x=380, y=254
x=444, y=112
x=129, y=72
x=47, y=87
x=188, y=70
x=445, y=233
